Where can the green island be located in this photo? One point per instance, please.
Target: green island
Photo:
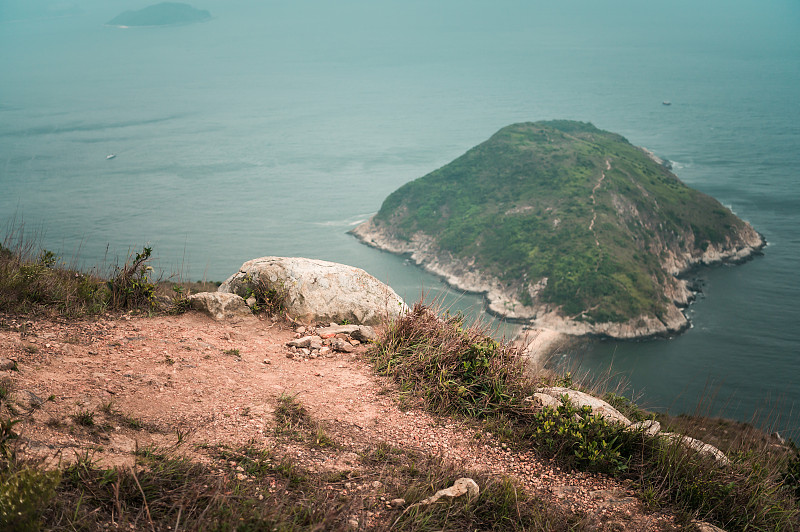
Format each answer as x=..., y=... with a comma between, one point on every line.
x=163, y=14
x=564, y=225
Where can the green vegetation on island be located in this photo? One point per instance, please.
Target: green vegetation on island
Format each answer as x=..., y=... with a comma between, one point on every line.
x=567, y=215
x=163, y=14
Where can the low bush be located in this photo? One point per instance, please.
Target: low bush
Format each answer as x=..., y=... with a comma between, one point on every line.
x=581, y=439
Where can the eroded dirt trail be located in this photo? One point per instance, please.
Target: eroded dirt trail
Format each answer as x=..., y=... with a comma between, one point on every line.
x=594, y=201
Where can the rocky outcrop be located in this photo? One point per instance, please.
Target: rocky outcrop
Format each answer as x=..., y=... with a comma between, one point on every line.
x=317, y=290
x=220, y=306
x=699, y=446
x=551, y=398
x=502, y=299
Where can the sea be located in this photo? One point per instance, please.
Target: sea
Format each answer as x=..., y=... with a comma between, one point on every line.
x=276, y=127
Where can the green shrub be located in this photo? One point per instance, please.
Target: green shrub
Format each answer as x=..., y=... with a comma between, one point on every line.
x=23, y=496
x=587, y=441
x=131, y=286
x=270, y=297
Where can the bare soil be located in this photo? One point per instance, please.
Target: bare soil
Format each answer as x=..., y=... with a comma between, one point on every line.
x=153, y=380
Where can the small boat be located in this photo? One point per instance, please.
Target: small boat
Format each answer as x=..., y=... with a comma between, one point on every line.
x=666, y=102
x=111, y=156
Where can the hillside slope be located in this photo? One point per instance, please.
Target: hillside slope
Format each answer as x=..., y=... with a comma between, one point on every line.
x=565, y=225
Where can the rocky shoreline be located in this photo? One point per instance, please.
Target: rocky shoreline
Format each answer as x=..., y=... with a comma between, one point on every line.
x=544, y=317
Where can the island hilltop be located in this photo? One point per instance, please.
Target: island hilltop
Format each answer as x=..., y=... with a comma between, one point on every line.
x=563, y=226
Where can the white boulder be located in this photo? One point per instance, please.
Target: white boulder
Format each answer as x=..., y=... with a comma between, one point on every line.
x=318, y=290
x=580, y=399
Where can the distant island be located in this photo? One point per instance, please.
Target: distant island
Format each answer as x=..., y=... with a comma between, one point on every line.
x=163, y=14
x=563, y=226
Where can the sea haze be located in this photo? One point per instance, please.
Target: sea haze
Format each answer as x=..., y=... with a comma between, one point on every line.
x=275, y=127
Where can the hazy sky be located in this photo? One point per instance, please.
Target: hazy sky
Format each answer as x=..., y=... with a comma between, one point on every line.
x=732, y=22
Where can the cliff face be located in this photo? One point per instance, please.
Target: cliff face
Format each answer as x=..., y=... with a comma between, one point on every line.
x=591, y=250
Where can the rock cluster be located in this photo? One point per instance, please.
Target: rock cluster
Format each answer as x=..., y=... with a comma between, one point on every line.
x=311, y=342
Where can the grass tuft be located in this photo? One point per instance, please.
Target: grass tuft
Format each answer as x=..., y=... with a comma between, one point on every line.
x=293, y=420
x=83, y=417
x=456, y=369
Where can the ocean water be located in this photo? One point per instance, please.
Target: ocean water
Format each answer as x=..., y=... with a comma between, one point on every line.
x=277, y=126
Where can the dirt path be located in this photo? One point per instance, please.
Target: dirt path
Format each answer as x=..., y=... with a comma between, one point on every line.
x=152, y=380
x=594, y=201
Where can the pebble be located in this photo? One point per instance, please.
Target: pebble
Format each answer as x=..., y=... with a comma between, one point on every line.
x=397, y=503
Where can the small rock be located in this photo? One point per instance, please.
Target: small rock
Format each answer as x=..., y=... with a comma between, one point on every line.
x=305, y=341
x=462, y=486
x=267, y=361
x=300, y=330
x=397, y=503
x=352, y=523
x=364, y=333
x=649, y=427
x=305, y=351
x=324, y=351
x=251, y=301
x=340, y=345
x=219, y=306
x=333, y=330
x=316, y=343
x=377, y=484
x=289, y=355
x=7, y=364
x=702, y=526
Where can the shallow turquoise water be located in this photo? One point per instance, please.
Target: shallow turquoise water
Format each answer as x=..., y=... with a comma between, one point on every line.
x=275, y=128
